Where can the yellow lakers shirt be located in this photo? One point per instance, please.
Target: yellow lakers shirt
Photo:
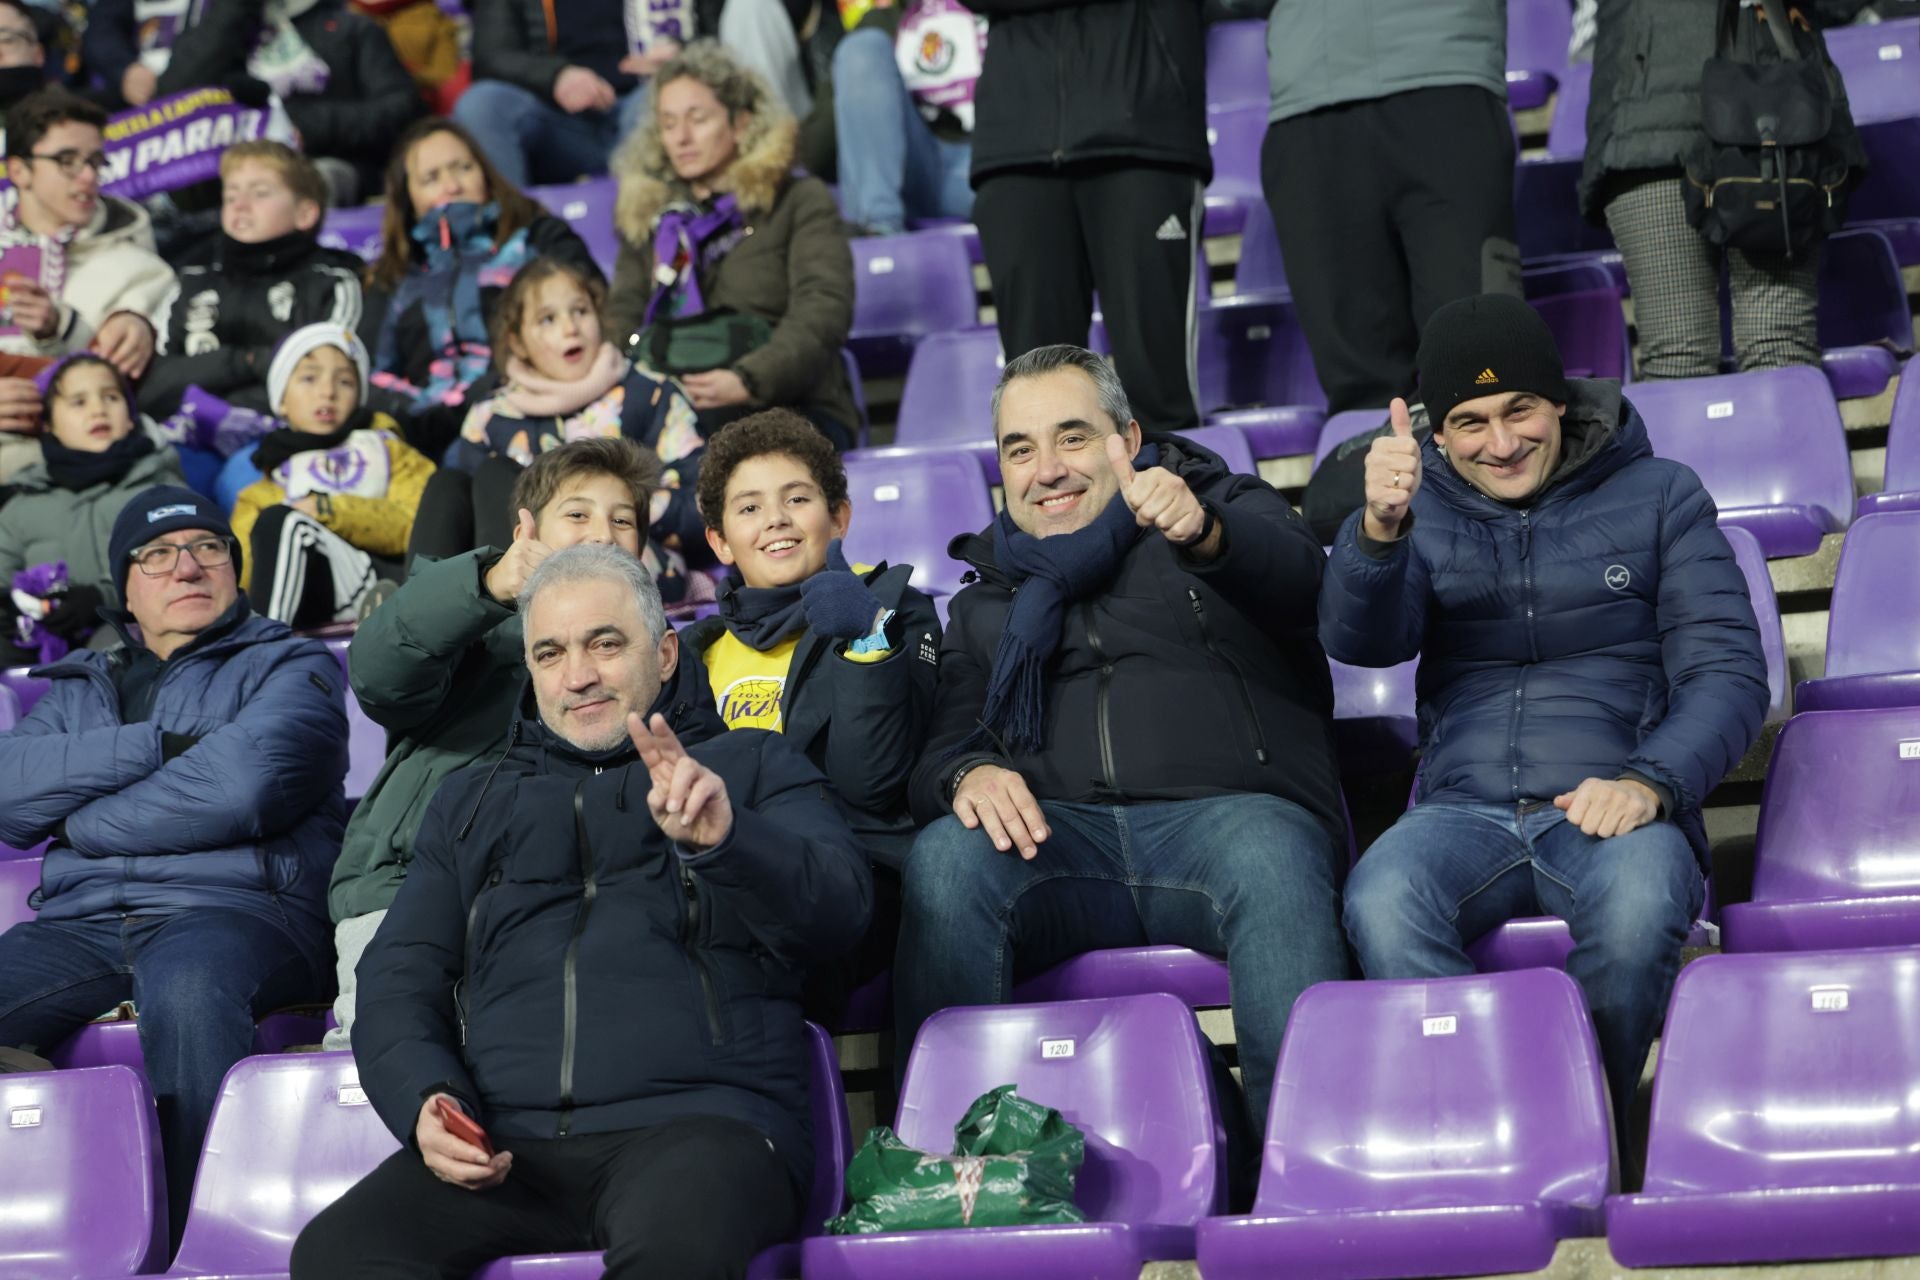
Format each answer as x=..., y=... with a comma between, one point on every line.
x=748, y=684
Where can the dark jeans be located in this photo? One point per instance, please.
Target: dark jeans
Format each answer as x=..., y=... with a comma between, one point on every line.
x=461, y=510
x=1445, y=874
x=1247, y=877
x=199, y=978
x=693, y=1199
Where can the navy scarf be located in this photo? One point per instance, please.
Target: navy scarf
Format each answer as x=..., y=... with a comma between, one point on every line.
x=1050, y=574
x=763, y=617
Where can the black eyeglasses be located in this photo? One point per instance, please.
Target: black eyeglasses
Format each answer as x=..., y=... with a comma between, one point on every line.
x=160, y=559
x=71, y=162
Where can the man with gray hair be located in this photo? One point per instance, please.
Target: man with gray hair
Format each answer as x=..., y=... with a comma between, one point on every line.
x=581, y=1013
x=1132, y=738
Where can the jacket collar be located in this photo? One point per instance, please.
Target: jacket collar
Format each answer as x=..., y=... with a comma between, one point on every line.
x=235, y=629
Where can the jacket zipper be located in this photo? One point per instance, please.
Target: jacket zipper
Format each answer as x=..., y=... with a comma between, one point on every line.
x=691, y=939
x=1060, y=85
x=570, y=996
x=473, y=914
x=1533, y=650
x=1104, y=687
x=1246, y=694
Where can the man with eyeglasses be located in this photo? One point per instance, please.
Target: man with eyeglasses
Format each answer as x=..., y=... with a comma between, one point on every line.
x=189, y=786
x=78, y=269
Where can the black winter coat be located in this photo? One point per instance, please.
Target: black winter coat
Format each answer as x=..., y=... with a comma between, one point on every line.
x=220, y=325
x=1644, y=113
x=1183, y=680
x=862, y=723
x=1113, y=80
x=369, y=97
x=561, y=967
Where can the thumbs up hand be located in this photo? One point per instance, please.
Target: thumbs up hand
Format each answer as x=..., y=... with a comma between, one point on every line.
x=511, y=571
x=1392, y=477
x=1158, y=498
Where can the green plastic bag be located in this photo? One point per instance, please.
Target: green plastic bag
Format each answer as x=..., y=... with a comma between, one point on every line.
x=1013, y=1164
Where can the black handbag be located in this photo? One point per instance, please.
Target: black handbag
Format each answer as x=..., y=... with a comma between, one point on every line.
x=1767, y=177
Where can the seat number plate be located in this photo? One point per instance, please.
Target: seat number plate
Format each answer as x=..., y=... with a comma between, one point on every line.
x=1056, y=1048
x=1829, y=999
x=1446, y=1025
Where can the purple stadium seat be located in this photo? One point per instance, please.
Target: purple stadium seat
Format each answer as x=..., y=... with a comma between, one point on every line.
x=1538, y=32
x=1567, y=136
x=1131, y=1073
x=1784, y=1119
x=289, y=1135
x=1341, y=427
x=1252, y=352
x=1229, y=442
x=1837, y=855
x=1769, y=446
x=1901, y=489
x=960, y=228
x=117, y=1043
x=1546, y=198
x=1276, y=431
x=366, y=741
x=1261, y=268
x=863, y=430
x=1858, y=372
x=1451, y=1126
x=1766, y=612
x=1873, y=631
x=1863, y=299
x=1237, y=64
x=80, y=1176
x=832, y=1147
x=1574, y=273
x=948, y=394
x=1591, y=330
x=1234, y=135
x=1199, y=980
x=906, y=287
x=1877, y=62
x=908, y=506
x=25, y=688
x=1373, y=715
x=356, y=229
x=587, y=207
x=9, y=708
x=19, y=877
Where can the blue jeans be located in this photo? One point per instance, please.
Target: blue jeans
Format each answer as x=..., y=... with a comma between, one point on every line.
x=529, y=139
x=199, y=979
x=892, y=167
x=1247, y=877
x=1444, y=874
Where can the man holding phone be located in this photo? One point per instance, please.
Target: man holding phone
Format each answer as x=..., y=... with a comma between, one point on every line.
x=581, y=1013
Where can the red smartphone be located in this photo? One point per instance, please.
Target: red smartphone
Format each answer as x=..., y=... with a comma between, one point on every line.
x=463, y=1126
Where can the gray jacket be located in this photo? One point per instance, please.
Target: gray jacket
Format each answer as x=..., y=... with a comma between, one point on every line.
x=44, y=522
x=1321, y=53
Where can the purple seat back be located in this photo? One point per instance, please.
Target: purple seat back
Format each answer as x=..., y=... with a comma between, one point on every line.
x=1230, y=443
x=1261, y=269
x=1840, y=817
x=356, y=229
x=289, y=1135
x=19, y=877
x=904, y=288
x=948, y=394
x=1373, y=691
x=366, y=741
x=1875, y=623
x=1591, y=330
x=1863, y=298
x=1509, y=1105
x=1342, y=427
x=1234, y=135
x=1130, y=1072
x=1877, y=63
x=587, y=207
x=9, y=708
x=1199, y=980
x=1252, y=352
x=80, y=1175
x=1769, y=446
x=25, y=687
x=857, y=385
x=1237, y=64
x=1538, y=33
x=1766, y=613
x=908, y=507
x=1903, y=443
x=1821, y=1095
x=1567, y=135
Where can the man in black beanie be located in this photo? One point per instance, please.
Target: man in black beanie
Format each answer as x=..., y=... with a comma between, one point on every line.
x=189, y=786
x=1590, y=669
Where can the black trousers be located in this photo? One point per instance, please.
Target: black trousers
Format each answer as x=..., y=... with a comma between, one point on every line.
x=461, y=510
x=1386, y=210
x=1053, y=237
x=694, y=1199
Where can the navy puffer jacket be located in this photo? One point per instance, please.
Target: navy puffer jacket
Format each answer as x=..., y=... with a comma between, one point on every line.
x=1604, y=629
x=249, y=818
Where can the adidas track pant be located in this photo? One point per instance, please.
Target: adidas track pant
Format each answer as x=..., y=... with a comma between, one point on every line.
x=304, y=574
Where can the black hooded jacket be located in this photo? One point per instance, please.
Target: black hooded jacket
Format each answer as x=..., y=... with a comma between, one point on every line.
x=559, y=965
x=1181, y=680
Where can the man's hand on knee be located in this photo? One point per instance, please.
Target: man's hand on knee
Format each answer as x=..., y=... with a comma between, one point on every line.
x=999, y=801
x=1606, y=807
x=452, y=1159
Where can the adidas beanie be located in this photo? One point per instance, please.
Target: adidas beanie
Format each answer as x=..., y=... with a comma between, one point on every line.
x=1489, y=345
